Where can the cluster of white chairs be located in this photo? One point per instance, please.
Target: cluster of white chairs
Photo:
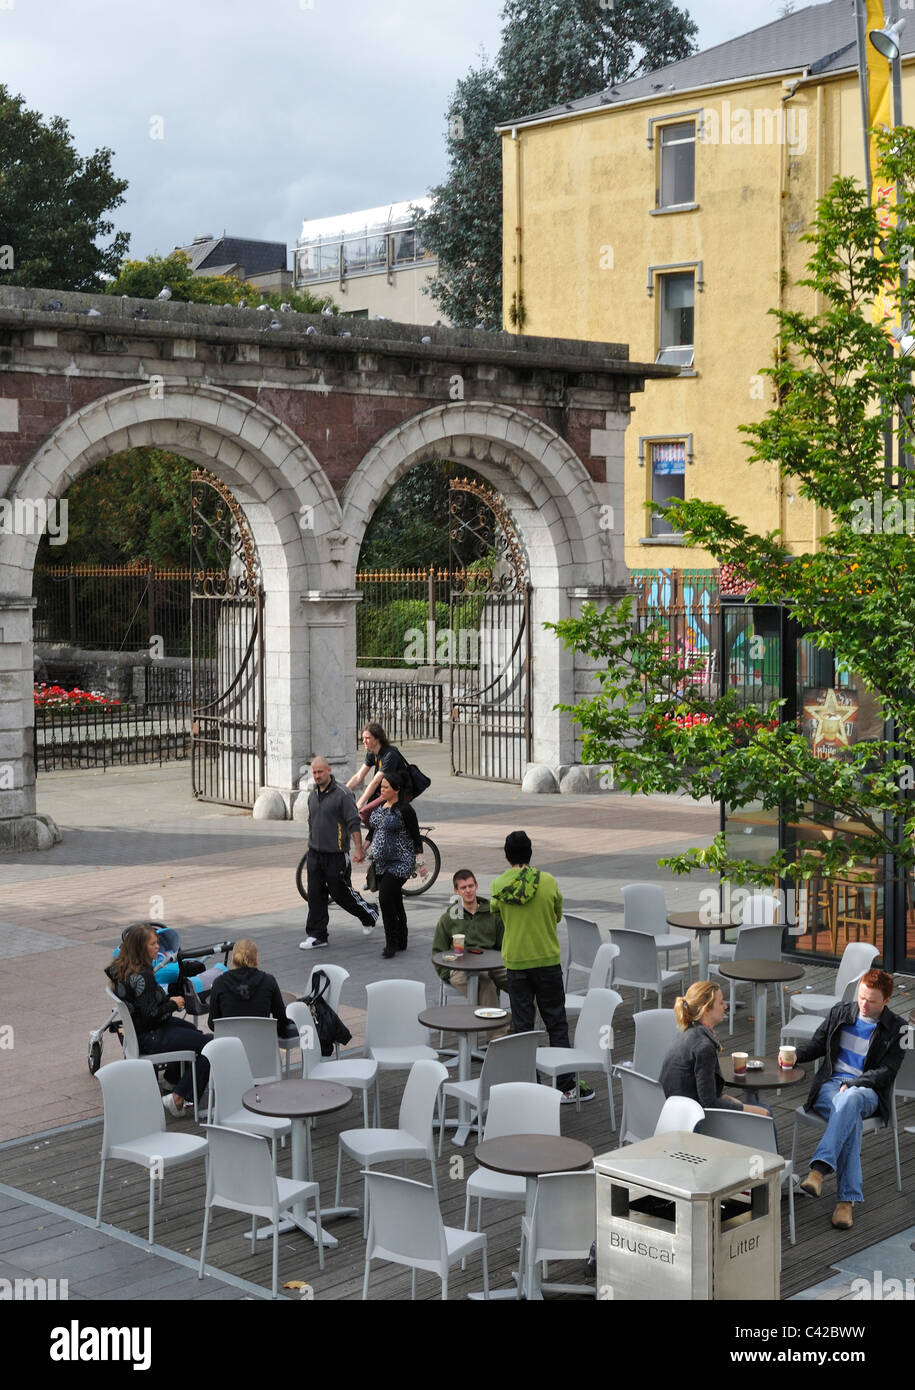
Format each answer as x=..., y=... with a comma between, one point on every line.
x=402, y=1221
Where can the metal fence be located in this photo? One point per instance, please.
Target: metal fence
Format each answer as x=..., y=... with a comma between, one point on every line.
x=114, y=607
x=109, y=736
x=406, y=709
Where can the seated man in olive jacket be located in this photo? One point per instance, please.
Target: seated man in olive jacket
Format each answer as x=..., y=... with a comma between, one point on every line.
x=862, y=1046
x=481, y=927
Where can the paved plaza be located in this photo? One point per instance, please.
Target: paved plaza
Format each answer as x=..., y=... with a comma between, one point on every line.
x=135, y=844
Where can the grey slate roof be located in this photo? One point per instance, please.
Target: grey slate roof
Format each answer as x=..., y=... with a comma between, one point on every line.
x=255, y=257
x=820, y=37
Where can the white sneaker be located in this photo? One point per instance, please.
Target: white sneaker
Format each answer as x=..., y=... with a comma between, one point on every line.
x=367, y=931
x=310, y=943
x=170, y=1105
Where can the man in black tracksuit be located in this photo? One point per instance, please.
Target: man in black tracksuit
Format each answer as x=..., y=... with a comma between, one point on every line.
x=332, y=821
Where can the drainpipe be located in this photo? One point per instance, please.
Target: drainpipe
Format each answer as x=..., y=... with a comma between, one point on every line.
x=519, y=280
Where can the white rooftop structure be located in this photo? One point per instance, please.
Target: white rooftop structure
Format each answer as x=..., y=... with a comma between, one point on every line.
x=348, y=224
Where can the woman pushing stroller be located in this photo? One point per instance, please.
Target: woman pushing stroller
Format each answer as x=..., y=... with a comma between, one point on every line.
x=153, y=1013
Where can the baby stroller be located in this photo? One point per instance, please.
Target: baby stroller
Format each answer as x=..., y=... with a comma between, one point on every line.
x=173, y=967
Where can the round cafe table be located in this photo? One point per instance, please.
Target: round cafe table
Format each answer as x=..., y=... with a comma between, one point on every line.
x=473, y=965
x=769, y=1077
x=462, y=1020
x=703, y=924
x=300, y=1101
x=760, y=973
x=529, y=1156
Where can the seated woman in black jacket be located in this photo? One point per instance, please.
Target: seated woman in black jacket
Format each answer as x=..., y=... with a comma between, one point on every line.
x=246, y=992
x=153, y=1013
x=691, y=1065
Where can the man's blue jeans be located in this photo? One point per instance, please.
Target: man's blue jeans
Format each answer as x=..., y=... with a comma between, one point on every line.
x=840, y=1146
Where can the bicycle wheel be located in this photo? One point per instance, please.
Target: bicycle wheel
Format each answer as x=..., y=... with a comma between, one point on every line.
x=301, y=877
x=416, y=885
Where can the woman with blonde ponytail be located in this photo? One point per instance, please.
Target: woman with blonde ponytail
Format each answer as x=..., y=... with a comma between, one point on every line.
x=691, y=1065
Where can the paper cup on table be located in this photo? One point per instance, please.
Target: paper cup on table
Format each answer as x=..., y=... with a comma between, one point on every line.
x=740, y=1060
x=787, y=1057
x=458, y=944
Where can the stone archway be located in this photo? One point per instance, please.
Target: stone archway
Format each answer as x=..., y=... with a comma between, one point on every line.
x=294, y=517
x=558, y=510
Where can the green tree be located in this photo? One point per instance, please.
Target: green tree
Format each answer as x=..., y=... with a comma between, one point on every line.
x=840, y=390
x=145, y=279
x=53, y=204
x=550, y=53
x=134, y=506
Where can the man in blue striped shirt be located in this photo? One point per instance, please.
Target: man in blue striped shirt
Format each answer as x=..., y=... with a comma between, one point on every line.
x=862, y=1044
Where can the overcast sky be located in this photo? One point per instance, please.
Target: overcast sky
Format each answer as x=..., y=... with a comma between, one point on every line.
x=270, y=110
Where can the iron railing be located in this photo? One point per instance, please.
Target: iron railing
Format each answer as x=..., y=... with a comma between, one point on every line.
x=109, y=736
x=114, y=608
x=406, y=709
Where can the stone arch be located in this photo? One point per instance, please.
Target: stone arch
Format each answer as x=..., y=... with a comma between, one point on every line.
x=560, y=512
x=294, y=516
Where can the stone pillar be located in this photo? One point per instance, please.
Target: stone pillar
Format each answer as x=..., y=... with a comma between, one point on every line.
x=330, y=615
x=21, y=828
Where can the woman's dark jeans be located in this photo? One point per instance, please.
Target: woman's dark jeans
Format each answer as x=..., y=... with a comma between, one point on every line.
x=179, y=1035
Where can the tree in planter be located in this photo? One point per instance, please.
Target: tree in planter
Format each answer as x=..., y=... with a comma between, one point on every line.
x=839, y=388
x=550, y=53
x=145, y=279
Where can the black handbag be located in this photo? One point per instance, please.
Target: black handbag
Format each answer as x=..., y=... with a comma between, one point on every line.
x=329, y=1026
x=418, y=780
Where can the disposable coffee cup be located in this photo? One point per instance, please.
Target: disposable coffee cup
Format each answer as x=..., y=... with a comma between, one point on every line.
x=458, y=944
x=787, y=1057
x=740, y=1060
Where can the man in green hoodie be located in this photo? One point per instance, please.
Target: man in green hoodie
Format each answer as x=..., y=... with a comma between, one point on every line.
x=530, y=904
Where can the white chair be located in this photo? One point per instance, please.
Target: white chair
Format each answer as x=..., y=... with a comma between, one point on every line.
x=584, y=941
x=241, y=1177
x=258, y=1037
x=754, y=943
x=655, y=1033
x=230, y=1077
x=857, y=959
x=512, y=1058
x=359, y=1073
x=562, y=1226
x=394, y=1036
x=869, y=1126
x=338, y=977
x=644, y=909
x=755, y=1132
x=638, y=965
x=679, y=1113
x=518, y=1107
x=413, y=1137
x=757, y=910
x=132, y=1048
x=406, y=1228
x=134, y=1128
x=601, y=976
x=802, y=1027
x=591, y=1048
x=643, y=1101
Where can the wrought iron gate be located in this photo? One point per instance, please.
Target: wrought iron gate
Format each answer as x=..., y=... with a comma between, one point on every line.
x=489, y=638
x=227, y=648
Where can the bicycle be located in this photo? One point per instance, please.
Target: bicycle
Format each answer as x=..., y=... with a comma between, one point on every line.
x=414, y=885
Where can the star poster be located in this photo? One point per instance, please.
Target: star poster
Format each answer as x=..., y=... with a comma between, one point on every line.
x=830, y=720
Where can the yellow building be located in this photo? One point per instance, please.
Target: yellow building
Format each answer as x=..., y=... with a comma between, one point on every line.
x=668, y=213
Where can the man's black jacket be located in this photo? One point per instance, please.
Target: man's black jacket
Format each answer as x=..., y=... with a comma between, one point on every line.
x=883, y=1060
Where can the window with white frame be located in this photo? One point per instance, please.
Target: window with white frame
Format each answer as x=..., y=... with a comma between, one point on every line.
x=676, y=165
x=667, y=471
x=676, y=311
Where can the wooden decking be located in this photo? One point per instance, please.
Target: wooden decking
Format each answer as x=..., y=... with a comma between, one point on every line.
x=62, y=1167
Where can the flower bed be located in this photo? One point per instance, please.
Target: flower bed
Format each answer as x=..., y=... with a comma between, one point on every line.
x=53, y=697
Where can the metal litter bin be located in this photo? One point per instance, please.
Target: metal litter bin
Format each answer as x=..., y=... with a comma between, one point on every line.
x=682, y=1216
